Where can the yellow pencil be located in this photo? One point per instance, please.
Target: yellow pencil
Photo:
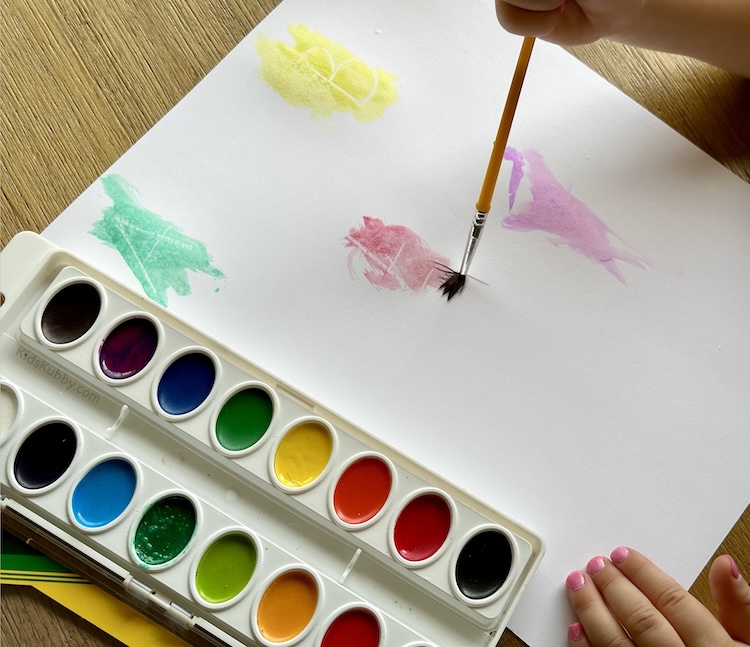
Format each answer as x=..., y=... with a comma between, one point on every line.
x=455, y=281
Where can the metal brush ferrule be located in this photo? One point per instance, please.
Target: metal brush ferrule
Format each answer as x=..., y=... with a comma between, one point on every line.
x=471, y=244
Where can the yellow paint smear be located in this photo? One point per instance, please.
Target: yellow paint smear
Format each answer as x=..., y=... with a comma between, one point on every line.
x=303, y=454
x=287, y=606
x=324, y=76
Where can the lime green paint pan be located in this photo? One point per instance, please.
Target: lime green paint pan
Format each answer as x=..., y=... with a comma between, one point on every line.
x=224, y=570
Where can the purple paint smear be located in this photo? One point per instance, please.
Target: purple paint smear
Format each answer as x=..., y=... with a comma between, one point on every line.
x=396, y=257
x=555, y=210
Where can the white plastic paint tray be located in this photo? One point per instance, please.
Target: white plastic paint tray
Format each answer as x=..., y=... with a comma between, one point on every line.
x=219, y=497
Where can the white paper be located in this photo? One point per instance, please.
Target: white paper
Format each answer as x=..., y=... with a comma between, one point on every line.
x=596, y=411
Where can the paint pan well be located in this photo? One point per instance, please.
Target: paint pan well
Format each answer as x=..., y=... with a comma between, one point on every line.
x=244, y=419
x=421, y=529
x=225, y=568
x=10, y=404
x=286, y=608
x=362, y=490
x=70, y=313
x=164, y=531
x=45, y=455
x=186, y=383
x=483, y=565
x=356, y=626
x=103, y=494
x=303, y=454
x=128, y=348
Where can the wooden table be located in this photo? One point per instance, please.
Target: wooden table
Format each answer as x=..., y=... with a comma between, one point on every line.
x=82, y=80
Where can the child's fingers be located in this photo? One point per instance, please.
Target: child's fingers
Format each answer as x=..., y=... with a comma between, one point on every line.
x=525, y=22
x=645, y=624
x=732, y=596
x=689, y=618
x=599, y=625
x=577, y=636
x=535, y=5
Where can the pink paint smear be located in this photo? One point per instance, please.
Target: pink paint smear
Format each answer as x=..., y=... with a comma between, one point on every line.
x=555, y=210
x=396, y=258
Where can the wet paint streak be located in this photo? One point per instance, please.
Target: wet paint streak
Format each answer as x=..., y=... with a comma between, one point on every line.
x=396, y=258
x=156, y=251
x=555, y=210
x=325, y=77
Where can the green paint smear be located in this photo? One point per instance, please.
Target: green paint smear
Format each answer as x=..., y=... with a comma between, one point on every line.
x=164, y=531
x=156, y=251
x=322, y=75
x=244, y=419
x=226, y=568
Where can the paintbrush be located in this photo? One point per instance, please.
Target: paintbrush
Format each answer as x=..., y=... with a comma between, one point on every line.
x=455, y=281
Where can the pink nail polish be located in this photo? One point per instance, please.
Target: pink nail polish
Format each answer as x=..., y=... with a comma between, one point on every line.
x=575, y=631
x=595, y=565
x=619, y=554
x=733, y=569
x=575, y=580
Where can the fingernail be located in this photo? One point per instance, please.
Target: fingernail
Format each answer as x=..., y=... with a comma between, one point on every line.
x=575, y=631
x=733, y=569
x=575, y=580
x=619, y=554
x=595, y=565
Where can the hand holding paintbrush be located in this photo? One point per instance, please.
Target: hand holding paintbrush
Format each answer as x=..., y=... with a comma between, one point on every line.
x=455, y=281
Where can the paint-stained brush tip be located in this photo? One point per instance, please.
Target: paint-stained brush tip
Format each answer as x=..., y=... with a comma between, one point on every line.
x=453, y=284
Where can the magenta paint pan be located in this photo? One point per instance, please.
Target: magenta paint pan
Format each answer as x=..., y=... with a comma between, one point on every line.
x=43, y=455
x=211, y=488
x=68, y=315
x=128, y=348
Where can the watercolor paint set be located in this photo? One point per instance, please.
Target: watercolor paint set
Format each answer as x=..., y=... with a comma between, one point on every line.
x=217, y=494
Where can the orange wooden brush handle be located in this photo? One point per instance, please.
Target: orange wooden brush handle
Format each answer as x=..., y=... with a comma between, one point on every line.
x=501, y=141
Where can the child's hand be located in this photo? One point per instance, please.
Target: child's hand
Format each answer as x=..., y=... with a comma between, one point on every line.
x=629, y=602
x=715, y=31
x=567, y=22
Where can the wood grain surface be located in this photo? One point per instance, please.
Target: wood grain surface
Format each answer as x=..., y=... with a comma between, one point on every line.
x=82, y=80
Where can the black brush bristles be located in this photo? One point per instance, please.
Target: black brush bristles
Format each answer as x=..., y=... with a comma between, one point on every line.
x=453, y=284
